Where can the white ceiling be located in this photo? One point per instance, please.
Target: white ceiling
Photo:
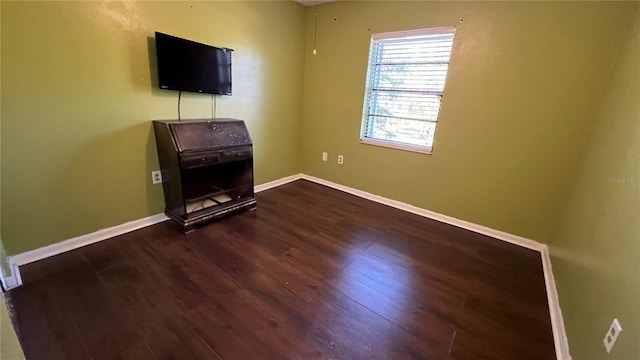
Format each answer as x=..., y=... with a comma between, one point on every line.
x=312, y=2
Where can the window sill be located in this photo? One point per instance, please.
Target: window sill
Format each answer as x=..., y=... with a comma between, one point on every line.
x=399, y=146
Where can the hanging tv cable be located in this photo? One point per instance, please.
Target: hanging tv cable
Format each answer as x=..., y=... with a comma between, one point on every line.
x=315, y=31
x=179, y=97
x=213, y=111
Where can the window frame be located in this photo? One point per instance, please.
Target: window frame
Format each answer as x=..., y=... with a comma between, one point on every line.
x=368, y=88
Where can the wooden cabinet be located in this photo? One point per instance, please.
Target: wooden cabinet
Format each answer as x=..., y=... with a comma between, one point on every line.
x=207, y=169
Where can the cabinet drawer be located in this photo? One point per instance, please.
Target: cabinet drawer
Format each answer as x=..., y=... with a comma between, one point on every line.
x=201, y=160
x=237, y=154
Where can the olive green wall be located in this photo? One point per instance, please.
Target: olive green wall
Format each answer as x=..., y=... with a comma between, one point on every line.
x=9, y=346
x=524, y=83
x=596, y=247
x=79, y=92
x=4, y=265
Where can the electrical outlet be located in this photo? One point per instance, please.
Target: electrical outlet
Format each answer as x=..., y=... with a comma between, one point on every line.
x=340, y=159
x=156, y=177
x=325, y=156
x=612, y=335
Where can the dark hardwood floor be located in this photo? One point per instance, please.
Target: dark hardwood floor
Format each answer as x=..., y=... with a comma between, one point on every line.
x=313, y=273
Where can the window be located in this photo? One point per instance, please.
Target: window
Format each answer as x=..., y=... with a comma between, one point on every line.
x=405, y=82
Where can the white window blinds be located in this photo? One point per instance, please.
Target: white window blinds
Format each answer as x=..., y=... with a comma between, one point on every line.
x=405, y=83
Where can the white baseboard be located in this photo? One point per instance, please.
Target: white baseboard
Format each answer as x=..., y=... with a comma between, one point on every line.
x=514, y=239
x=83, y=240
x=277, y=182
x=560, y=339
x=103, y=234
x=13, y=279
x=557, y=323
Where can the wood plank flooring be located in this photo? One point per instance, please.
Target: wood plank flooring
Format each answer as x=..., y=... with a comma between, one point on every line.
x=313, y=273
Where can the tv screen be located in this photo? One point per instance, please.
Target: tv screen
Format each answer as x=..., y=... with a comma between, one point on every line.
x=190, y=66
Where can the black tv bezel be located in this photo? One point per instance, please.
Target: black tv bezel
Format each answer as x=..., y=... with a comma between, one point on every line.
x=200, y=45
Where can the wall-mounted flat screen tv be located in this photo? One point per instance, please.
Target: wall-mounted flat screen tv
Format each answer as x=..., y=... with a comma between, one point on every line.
x=187, y=65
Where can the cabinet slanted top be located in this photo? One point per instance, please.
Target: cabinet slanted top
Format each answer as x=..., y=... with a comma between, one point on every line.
x=195, y=135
